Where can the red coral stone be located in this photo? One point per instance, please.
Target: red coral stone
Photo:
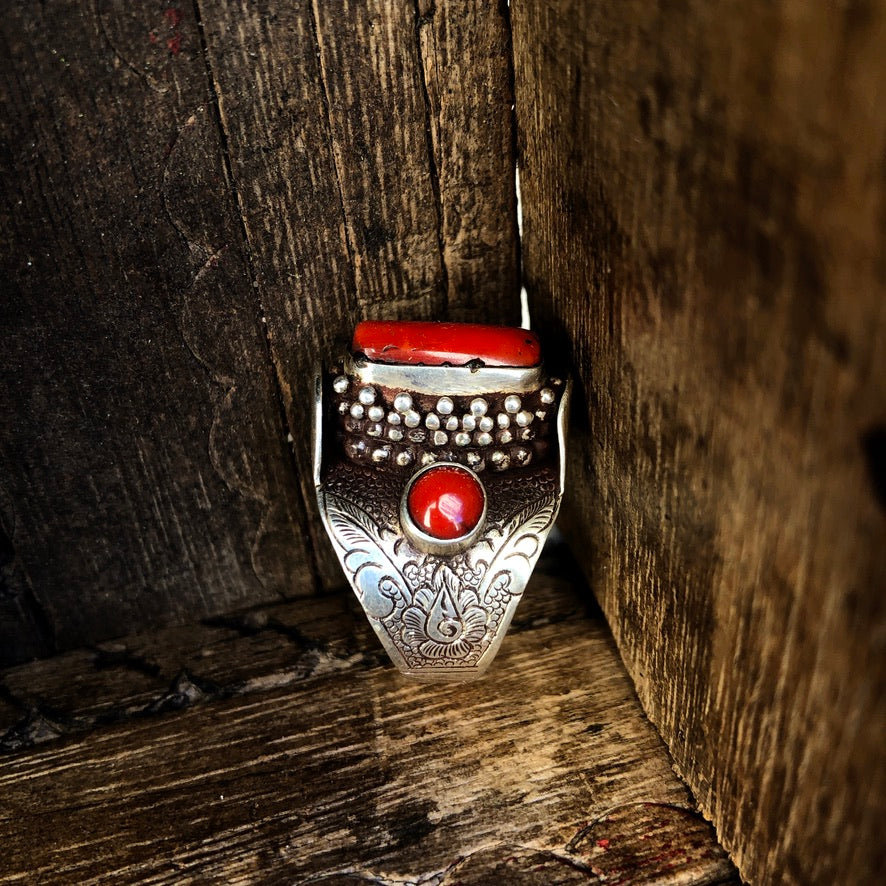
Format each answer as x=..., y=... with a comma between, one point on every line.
x=434, y=344
x=446, y=502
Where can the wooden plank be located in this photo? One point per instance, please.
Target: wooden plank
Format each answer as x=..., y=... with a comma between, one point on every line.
x=187, y=192
x=703, y=190
x=140, y=675
x=370, y=185
x=24, y=633
x=225, y=655
x=466, y=73
x=343, y=774
x=144, y=464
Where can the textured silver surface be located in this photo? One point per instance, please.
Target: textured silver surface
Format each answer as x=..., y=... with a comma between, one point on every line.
x=439, y=616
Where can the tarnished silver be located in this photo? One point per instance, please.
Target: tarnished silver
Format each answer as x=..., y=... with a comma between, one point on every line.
x=440, y=610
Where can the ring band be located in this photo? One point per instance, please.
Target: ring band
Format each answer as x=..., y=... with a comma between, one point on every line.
x=439, y=456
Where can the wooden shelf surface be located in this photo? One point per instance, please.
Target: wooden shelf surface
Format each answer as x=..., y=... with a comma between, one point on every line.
x=280, y=746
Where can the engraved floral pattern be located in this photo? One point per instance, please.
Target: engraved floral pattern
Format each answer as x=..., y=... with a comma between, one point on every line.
x=434, y=610
x=445, y=620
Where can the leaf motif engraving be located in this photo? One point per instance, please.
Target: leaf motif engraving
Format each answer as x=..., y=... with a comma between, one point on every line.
x=524, y=534
x=352, y=524
x=374, y=574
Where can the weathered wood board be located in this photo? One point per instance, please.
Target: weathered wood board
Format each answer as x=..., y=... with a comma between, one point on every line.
x=145, y=470
x=289, y=751
x=369, y=185
x=198, y=202
x=703, y=195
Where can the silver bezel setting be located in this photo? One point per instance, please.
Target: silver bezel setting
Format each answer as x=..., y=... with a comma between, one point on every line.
x=429, y=543
x=454, y=380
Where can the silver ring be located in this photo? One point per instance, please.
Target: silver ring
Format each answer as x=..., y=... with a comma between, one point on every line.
x=439, y=459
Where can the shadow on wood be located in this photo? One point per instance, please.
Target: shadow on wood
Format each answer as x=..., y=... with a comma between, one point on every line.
x=703, y=194
x=200, y=201
x=288, y=750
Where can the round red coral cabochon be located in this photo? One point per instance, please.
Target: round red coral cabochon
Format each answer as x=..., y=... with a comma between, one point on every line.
x=446, y=502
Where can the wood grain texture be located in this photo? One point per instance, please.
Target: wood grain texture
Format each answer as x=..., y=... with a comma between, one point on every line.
x=198, y=203
x=466, y=56
x=369, y=186
x=226, y=655
x=326, y=766
x=704, y=202
x=144, y=467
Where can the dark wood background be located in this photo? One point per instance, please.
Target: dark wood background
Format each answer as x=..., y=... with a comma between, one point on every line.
x=197, y=202
x=705, y=229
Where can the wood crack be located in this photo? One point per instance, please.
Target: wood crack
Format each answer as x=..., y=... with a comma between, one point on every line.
x=149, y=81
x=422, y=21
x=42, y=722
x=272, y=367
x=515, y=150
x=336, y=158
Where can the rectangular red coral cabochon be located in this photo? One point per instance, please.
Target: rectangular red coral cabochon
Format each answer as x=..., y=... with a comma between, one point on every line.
x=436, y=343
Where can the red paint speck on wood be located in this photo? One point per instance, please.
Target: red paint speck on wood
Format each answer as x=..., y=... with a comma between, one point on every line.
x=174, y=44
x=173, y=17
x=603, y=844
